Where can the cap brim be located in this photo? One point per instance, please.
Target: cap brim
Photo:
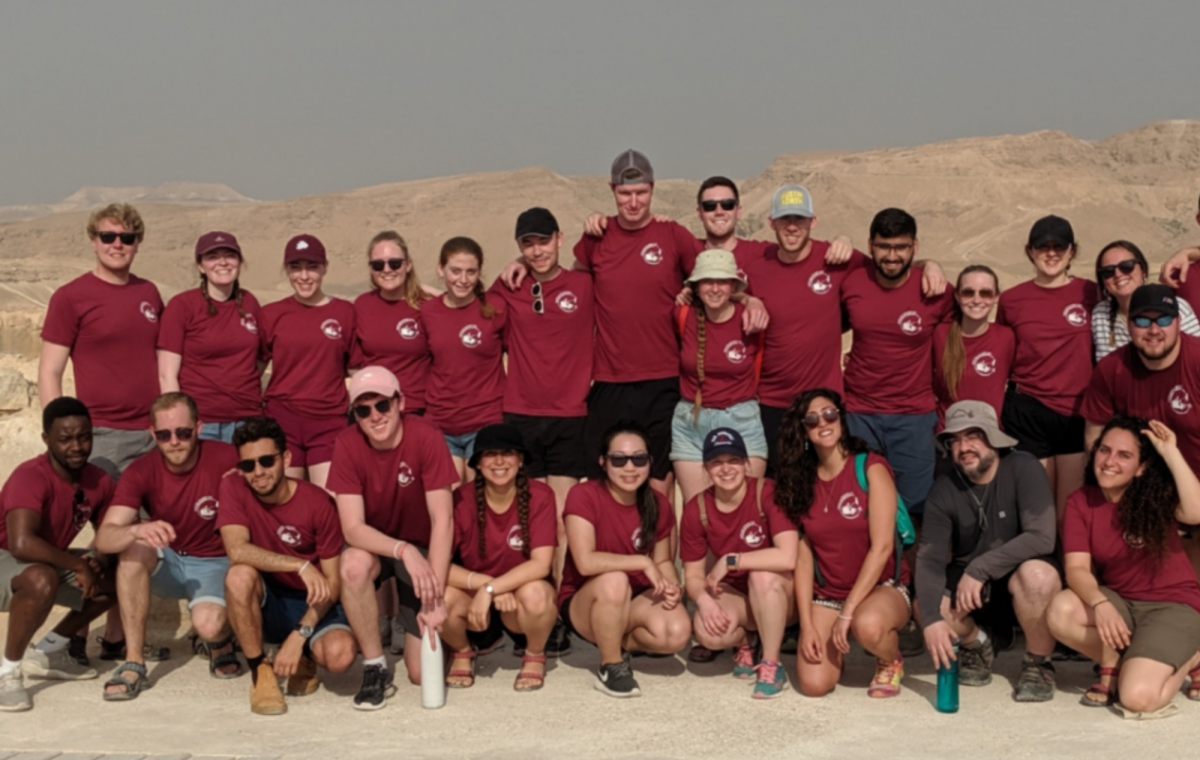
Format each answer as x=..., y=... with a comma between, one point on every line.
x=717, y=451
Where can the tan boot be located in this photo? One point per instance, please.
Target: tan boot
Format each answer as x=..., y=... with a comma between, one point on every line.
x=304, y=681
x=265, y=696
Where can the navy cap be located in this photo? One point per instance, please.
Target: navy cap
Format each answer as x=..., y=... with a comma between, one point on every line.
x=723, y=441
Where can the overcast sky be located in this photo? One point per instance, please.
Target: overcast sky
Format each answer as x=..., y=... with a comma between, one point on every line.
x=279, y=99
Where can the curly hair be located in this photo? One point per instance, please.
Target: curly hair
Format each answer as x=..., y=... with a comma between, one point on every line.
x=647, y=502
x=796, y=470
x=1146, y=509
x=481, y=509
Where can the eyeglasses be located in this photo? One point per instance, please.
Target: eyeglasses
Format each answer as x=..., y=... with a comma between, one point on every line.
x=183, y=434
x=1163, y=320
x=394, y=264
x=127, y=238
x=727, y=204
x=813, y=419
x=892, y=247
x=1124, y=267
x=972, y=292
x=539, y=305
x=363, y=411
x=267, y=461
x=620, y=460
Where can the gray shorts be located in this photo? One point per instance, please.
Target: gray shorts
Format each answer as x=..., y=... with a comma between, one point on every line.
x=113, y=450
x=69, y=595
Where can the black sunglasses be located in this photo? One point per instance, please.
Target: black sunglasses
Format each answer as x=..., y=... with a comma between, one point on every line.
x=539, y=305
x=620, y=460
x=813, y=419
x=394, y=264
x=266, y=460
x=1125, y=267
x=728, y=204
x=363, y=411
x=127, y=238
x=972, y=292
x=183, y=434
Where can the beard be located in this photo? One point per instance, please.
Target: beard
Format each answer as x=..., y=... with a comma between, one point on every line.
x=982, y=466
x=898, y=275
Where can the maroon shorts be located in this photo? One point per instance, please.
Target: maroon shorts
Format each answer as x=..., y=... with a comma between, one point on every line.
x=309, y=439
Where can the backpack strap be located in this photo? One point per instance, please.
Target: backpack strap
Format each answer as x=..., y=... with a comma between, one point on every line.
x=758, y=490
x=683, y=315
x=860, y=471
x=701, y=501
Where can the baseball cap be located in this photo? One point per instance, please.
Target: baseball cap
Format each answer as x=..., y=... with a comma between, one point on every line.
x=536, y=221
x=304, y=248
x=215, y=241
x=792, y=200
x=723, y=440
x=716, y=264
x=632, y=168
x=499, y=437
x=374, y=379
x=964, y=415
x=1154, y=297
x=1051, y=229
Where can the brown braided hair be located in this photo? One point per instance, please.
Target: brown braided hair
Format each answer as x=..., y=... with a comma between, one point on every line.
x=212, y=306
x=481, y=507
x=701, y=341
x=467, y=245
x=413, y=293
x=954, y=360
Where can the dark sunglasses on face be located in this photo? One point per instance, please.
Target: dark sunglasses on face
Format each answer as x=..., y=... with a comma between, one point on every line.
x=363, y=411
x=972, y=292
x=1124, y=267
x=127, y=238
x=620, y=460
x=393, y=264
x=727, y=204
x=267, y=461
x=183, y=434
x=539, y=305
x=813, y=419
x=1164, y=320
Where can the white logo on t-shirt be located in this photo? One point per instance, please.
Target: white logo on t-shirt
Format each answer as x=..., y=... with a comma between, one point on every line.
x=288, y=535
x=404, y=474
x=984, y=364
x=910, y=322
x=567, y=301
x=148, y=312
x=408, y=328
x=471, y=336
x=332, y=329
x=250, y=323
x=735, y=351
x=752, y=534
x=1180, y=401
x=819, y=282
x=206, y=507
x=1076, y=315
x=652, y=254
x=515, y=542
x=637, y=539
x=849, y=506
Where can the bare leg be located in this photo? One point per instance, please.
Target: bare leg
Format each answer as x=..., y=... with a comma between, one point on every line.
x=877, y=622
x=243, y=600
x=560, y=485
x=1147, y=685
x=318, y=474
x=816, y=679
x=692, y=478
x=736, y=606
x=32, y=600
x=653, y=628
x=335, y=651
x=600, y=612
x=359, y=570
x=772, y=604
x=1074, y=623
x=1033, y=586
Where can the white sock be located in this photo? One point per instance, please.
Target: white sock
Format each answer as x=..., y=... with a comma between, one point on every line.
x=52, y=642
x=380, y=660
x=7, y=666
x=981, y=637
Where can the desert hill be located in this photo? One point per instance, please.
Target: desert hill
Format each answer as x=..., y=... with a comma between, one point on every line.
x=87, y=198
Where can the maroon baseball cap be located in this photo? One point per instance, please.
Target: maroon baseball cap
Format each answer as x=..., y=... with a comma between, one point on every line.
x=304, y=248
x=215, y=241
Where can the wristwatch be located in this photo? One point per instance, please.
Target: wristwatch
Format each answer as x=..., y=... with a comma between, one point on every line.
x=731, y=561
x=305, y=631
x=491, y=591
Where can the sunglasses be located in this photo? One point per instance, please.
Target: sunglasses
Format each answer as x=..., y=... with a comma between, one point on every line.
x=183, y=434
x=620, y=460
x=972, y=292
x=813, y=419
x=539, y=305
x=363, y=411
x=267, y=461
x=727, y=204
x=1125, y=267
x=393, y=264
x=127, y=238
x=1164, y=320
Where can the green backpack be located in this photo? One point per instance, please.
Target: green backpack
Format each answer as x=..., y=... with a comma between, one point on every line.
x=904, y=525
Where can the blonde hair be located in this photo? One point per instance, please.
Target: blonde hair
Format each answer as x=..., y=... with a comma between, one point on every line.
x=123, y=214
x=413, y=293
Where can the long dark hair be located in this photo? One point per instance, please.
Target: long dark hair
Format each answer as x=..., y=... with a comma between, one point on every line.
x=954, y=358
x=481, y=509
x=647, y=501
x=1140, y=258
x=1146, y=510
x=796, y=469
x=470, y=247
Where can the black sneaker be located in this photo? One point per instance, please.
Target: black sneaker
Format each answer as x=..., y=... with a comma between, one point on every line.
x=1036, y=682
x=616, y=679
x=559, y=643
x=975, y=663
x=912, y=640
x=77, y=650
x=377, y=686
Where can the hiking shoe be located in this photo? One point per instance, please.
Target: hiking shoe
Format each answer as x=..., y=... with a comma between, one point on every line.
x=616, y=679
x=975, y=663
x=13, y=697
x=1036, y=682
x=265, y=696
x=397, y=636
x=304, y=681
x=888, y=675
x=377, y=686
x=57, y=666
x=743, y=662
x=772, y=678
x=559, y=644
x=77, y=650
x=912, y=640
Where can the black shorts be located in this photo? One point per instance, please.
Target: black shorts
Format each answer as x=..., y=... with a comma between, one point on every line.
x=1040, y=430
x=772, y=420
x=564, y=614
x=556, y=444
x=648, y=402
x=997, y=610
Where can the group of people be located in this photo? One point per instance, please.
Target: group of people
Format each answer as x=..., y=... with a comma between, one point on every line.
x=504, y=459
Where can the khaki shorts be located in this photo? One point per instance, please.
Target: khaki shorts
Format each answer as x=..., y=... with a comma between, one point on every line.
x=69, y=595
x=1166, y=632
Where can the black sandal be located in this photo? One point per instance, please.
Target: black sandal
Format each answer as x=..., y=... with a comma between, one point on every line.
x=115, y=650
x=132, y=688
x=206, y=648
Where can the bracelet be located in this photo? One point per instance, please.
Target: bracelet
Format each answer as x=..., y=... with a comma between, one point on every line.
x=398, y=550
x=1102, y=601
x=472, y=588
x=850, y=617
x=303, y=567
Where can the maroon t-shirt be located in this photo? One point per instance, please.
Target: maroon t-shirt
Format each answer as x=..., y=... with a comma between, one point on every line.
x=35, y=485
x=189, y=502
x=746, y=252
x=305, y=527
x=1054, y=340
x=466, y=380
x=1121, y=384
x=1190, y=289
x=803, y=344
x=504, y=546
x=390, y=334
x=989, y=359
x=1090, y=525
x=637, y=276
x=549, y=354
x=393, y=483
x=309, y=348
x=219, y=366
x=742, y=530
x=730, y=356
x=618, y=531
x=890, y=369
x=112, y=331
x=840, y=532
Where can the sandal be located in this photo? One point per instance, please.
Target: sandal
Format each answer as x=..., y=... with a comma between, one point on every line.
x=132, y=688
x=115, y=650
x=1109, y=692
x=206, y=648
x=1193, y=689
x=466, y=674
x=536, y=680
x=701, y=653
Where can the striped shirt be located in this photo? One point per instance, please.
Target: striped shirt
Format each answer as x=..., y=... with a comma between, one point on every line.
x=1110, y=334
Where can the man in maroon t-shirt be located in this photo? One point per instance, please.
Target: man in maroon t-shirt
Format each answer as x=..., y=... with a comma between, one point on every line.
x=1177, y=270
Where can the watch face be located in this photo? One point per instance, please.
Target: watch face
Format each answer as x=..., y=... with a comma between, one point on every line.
x=731, y=561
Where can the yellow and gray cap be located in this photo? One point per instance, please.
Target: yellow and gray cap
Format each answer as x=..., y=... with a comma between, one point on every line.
x=792, y=200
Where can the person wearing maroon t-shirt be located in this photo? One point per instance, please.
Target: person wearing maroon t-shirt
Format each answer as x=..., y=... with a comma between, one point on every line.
x=1121, y=268
x=176, y=554
x=1051, y=318
x=505, y=534
x=1132, y=602
x=106, y=323
x=393, y=476
x=889, y=373
x=284, y=544
x=745, y=599
x=208, y=344
x=44, y=504
x=850, y=578
x=620, y=589
x=308, y=339
x=1177, y=271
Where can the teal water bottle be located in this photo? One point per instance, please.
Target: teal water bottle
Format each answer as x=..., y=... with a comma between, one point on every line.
x=947, y=685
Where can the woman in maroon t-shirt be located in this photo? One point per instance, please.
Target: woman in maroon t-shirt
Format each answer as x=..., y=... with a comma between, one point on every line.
x=505, y=532
x=849, y=579
x=1132, y=601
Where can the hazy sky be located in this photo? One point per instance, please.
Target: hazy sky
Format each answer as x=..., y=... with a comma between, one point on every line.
x=279, y=99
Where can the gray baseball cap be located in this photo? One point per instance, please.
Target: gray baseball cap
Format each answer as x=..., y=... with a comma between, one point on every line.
x=965, y=415
x=632, y=168
x=792, y=200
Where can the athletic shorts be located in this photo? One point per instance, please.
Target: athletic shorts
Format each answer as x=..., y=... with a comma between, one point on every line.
x=461, y=445
x=1166, y=632
x=284, y=606
x=68, y=595
x=688, y=432
x=651, y=403
x=113, y=450
x=309, y=439
x=197, y=579
x=555, y=444
x=410, y=603
x=1040, y=430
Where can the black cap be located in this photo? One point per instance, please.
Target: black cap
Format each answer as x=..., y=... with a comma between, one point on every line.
x=1051, y=229
x=723, y=441
x=497, y=438
x=1154, y=298
x=536, y=221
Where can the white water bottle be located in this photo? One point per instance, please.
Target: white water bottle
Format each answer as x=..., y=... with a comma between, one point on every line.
x=433, y=676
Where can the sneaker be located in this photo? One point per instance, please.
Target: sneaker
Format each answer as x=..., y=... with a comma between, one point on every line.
x=13, y=697
x=616, y=679
x=975, y=663
x=397, y=636
x=912, y=640
x=1036, y=682
x=743, y=662
x=57, y=666
x=888, y=675
x=559, y=644
x=377, y=686
x=77, y=650
x=772, y=678
x=265, y=696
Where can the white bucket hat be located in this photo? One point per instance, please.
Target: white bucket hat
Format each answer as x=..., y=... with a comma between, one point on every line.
x=717, y=264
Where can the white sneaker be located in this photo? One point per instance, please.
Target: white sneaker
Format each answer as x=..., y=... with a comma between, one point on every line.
x=397, y=636
x=57, y=666
x=13, y=697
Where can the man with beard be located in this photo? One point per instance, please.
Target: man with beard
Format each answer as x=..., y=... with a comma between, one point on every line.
x=986, y=553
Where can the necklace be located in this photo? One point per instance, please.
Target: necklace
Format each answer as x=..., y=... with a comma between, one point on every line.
x=978, y=501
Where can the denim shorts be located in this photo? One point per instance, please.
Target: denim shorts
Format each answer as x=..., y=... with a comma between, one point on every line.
x=218, y=431
x=197, y=579
x=462, y=446
x=282, y=608
x=687, y=432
